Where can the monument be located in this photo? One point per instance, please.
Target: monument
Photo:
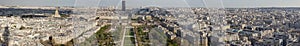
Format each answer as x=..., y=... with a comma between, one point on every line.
x=56, y=12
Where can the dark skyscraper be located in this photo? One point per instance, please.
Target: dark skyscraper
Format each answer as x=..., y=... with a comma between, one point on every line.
x=123, y=5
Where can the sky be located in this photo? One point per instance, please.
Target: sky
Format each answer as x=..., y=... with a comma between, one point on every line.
x=159, y=3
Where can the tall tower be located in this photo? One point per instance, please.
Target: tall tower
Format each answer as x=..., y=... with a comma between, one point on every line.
x=123, y=5
x=56, y=12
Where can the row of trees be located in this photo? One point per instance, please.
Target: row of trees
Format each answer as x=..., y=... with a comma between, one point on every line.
x=104, y=37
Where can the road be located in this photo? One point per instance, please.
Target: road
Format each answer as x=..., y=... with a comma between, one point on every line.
x=125, y=33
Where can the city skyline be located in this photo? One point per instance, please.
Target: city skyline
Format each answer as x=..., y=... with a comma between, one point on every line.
x=160, y=3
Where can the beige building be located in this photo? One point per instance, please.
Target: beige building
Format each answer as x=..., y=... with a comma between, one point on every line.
x=56, y=12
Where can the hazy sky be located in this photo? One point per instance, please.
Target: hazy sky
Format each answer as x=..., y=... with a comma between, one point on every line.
x=160, y=3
